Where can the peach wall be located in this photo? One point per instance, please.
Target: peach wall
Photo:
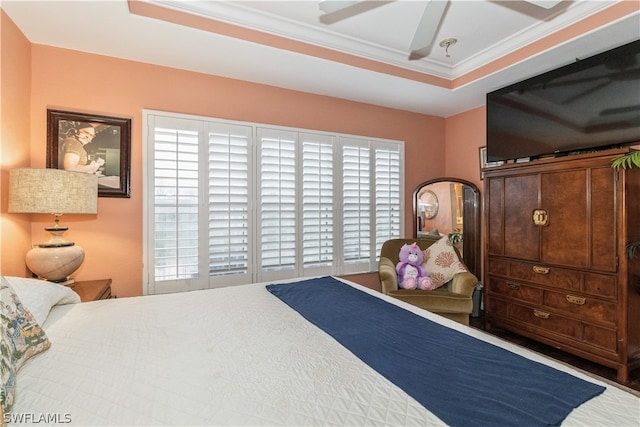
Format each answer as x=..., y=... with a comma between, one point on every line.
x=82, y=82
x=465, y=134
x=15, y=89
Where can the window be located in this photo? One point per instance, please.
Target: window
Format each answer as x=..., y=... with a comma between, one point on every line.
x=230, y=203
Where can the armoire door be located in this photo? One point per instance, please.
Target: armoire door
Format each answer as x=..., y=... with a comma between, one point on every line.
x=581, y=226
x=521, y=235
x=565, y=238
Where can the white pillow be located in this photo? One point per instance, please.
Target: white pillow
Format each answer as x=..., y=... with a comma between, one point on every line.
x=38, y=296
x=442, y=262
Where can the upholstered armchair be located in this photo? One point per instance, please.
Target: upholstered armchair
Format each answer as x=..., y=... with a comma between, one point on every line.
x=453, y=300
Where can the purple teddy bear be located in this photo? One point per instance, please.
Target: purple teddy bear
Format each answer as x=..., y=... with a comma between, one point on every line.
x=411, y=274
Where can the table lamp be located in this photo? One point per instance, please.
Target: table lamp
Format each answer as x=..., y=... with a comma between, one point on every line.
x=56, y=192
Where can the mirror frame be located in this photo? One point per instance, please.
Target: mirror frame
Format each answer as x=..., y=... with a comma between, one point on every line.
x=471, y=220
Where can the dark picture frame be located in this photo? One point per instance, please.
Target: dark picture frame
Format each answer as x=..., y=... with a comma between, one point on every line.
x=107, y=153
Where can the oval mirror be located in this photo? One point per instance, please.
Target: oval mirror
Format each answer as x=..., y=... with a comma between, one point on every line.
x=450, y=205
x=428, y=204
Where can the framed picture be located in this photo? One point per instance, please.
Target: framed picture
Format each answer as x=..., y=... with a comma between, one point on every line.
x=484, y=163
x=93, y=144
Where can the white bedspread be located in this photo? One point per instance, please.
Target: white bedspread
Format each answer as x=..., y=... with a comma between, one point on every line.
x=230, y=356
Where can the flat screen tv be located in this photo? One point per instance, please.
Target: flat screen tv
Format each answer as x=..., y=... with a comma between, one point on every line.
x=590, y=104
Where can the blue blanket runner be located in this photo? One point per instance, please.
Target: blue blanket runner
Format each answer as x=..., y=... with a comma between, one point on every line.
x=462, y=380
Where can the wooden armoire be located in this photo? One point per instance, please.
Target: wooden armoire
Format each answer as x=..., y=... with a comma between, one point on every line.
x=556, y=268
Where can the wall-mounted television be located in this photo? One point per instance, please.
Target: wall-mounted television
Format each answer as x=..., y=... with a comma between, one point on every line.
x=590, y=104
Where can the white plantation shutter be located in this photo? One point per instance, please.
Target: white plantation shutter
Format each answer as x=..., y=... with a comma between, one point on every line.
x=277, y=203
x=176, y=237
x=317, y=204
x=387, y=194
x=356, y=211
x=230, y=202
x=228, y=187
x=175, y=204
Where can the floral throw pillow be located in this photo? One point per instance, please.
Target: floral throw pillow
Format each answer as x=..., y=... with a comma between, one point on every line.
x=20, y=338
x=442, y=262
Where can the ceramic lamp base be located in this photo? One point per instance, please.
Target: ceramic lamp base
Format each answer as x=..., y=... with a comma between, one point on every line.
x=55, y=263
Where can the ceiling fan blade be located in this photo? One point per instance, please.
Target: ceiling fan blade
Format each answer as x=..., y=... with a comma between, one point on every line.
x=337, y=10
x=428, y=25
x=546, y=4
x=330, y=6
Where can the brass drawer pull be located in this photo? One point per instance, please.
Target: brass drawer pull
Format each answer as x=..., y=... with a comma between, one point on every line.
x=513, y=286
x=541, y=314
x=576, y=300
x=540, y=270
x=540, y=217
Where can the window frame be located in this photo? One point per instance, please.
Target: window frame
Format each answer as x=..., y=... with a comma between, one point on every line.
x=338, y=141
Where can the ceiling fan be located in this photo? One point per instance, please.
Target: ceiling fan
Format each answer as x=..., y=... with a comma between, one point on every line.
x=426, y=30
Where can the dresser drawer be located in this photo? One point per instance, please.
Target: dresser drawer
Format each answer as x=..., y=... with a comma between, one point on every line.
x=583, y=306
x=503, y=310
x=584, y=333
x=498, y=266
x=538, y=273
x=515, y=290
x=600, y=337
x=546, y=320
x=553, y=325
x=602, y=285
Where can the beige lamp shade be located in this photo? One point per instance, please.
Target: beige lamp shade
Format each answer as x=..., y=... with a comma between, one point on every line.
x=53, y=191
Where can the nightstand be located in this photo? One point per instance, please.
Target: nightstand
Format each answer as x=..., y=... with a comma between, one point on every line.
x=93, y=290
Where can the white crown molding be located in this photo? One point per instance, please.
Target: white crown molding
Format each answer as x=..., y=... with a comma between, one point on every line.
x=576, y=12
x=243, y=16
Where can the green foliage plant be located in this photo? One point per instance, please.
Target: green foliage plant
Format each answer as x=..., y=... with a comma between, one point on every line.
x=628, y=161
x=455, y=236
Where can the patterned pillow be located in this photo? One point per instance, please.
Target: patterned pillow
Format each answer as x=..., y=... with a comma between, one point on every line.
x=20, y=338
x=442, y=262
x=7, y=376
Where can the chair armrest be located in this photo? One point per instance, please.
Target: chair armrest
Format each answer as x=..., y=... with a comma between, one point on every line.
x=388, y=275
x=464, y=283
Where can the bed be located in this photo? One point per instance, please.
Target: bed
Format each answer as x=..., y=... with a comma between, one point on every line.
x=240, y=355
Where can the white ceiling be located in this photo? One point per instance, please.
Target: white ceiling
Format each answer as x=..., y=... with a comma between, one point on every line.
x=486, y=31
